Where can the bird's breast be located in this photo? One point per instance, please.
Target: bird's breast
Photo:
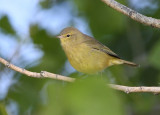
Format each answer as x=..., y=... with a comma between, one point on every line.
x=85, y=59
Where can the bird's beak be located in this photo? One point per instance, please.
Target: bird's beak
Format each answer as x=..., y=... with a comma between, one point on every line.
x=59, y=36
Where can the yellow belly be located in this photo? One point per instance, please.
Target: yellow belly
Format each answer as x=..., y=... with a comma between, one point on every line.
x=87, y=60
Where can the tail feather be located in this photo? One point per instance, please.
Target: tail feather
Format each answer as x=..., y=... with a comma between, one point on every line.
x=130, y=63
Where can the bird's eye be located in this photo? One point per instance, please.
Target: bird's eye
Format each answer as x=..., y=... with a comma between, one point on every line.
x=68, y=35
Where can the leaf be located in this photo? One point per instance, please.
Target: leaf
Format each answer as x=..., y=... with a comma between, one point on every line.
x=102, y=19
x=6, y=26
x=88, y=97
x=53, y=58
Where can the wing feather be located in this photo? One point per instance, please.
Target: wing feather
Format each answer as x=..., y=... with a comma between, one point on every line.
x=93, y=43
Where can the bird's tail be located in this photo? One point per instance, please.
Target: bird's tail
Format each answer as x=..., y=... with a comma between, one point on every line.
x=120, y=61
x=130, y=63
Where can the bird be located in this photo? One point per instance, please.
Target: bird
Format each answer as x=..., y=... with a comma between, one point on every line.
x=86, y=54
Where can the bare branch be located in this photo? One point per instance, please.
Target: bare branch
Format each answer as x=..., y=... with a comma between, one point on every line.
x=127, y=89
x=42, y=74
x=45, y=74
x=133, y=14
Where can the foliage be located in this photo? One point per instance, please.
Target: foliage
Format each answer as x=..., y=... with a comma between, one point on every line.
x=89, y=95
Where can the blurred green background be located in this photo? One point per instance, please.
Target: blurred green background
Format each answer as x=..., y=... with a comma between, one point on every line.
x=27, y=39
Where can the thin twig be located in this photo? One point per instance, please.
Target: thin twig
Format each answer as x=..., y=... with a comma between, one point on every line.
x=127, y=89
x=133, y=14
x=42, y=74
x=45, y=74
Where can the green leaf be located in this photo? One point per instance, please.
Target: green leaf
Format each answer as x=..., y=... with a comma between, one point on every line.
x=6, y=26
x=89, y=96
x=102, y=19
x=53, y=58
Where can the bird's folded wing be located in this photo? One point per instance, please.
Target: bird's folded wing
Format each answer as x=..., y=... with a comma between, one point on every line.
x=93, y=43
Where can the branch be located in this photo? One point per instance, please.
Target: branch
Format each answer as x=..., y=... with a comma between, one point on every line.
x=42, y=74
x=133, y=14
x=45, y=74
x=126, y=89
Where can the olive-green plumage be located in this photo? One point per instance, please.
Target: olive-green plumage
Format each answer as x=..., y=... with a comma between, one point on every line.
x=86, y=54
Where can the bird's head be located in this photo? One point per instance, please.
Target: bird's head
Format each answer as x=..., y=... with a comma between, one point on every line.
x=70, y=35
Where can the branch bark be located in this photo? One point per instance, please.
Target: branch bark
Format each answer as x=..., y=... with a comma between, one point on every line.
x=133, y=14
x=45, y=74
x=127, y=89
x=42, y=74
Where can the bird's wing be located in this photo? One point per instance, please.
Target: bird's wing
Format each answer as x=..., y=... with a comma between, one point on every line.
x=93, y=43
